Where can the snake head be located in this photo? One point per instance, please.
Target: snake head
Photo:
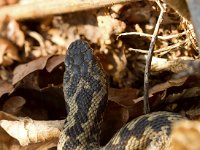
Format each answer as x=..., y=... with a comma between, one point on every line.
x=85, y=90
x=79, y=58
x=82, y=69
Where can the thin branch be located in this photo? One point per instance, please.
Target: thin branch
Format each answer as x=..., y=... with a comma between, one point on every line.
x=168, y=48
x=149, y=35
x=53, y=7
x=149, y=58
x=165, y=49
x=138, y=50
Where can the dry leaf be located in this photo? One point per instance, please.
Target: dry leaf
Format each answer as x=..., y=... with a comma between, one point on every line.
x=28, y=131
x=180, y=6
x=114, y=118
x=54, y=61
x=23, y=70
x=41, y=146
x=186, y=135
x=163, y=86
x=5, y=88
x=13, y=105
x=186, y=93
x=123, y=97
x=168, y=84
x=6, y=116
x=8, y=52
x=10, y=29
x=4, y=136
x=162, y=64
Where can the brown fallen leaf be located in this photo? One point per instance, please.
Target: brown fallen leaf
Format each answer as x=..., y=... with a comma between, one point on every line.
x=163, y=64
x=40, y=146
x=8, y=52
x=137, y=13
x=6, y=116
x=54, y=61
x=193, y=67
x=5, y=88
x=168, y=84
x=114, y=118
x=163, y=86
x=180, y=6
x=186, y=93
x=4, y=136
x=23, y=70
x=123, y=97
x=28, y=131
x=13, y=105
x=186, y=135
x=11, y=29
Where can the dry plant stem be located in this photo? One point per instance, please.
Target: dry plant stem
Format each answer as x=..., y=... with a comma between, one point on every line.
x=165, y=49
x=149, y=35
x=149, y=58
x=52, y=7
x=168, y=48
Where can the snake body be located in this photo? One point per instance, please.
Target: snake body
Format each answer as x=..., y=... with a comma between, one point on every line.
x=85, y=89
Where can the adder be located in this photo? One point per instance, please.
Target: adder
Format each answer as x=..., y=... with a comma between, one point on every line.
x=85, y=89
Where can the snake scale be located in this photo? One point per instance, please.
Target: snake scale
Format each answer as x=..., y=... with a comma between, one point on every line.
x=86, y=89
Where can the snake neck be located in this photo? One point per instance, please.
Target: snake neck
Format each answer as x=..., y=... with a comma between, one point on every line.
x=85, y=91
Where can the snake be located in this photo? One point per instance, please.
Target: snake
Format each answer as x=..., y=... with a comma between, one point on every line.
x=85, y=87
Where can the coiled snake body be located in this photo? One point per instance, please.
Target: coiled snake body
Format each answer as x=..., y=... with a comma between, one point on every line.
x=85, y=90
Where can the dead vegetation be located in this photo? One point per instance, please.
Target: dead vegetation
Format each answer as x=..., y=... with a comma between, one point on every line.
x=32, y=51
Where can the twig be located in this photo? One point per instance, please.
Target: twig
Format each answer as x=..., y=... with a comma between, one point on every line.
x=168, y=48
x=149, y=58
x=52, y=7
x=149, y=35
x=138, y=50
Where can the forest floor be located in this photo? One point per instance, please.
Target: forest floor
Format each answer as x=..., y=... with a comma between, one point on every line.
x=31, y=68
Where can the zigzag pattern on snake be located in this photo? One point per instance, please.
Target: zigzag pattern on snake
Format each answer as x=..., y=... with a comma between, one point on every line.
x=85, y=89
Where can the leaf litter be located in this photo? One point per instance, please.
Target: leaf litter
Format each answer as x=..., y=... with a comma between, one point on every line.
x=31, y=67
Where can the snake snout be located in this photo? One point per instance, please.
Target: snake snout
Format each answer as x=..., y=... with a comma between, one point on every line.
x=79, y=57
